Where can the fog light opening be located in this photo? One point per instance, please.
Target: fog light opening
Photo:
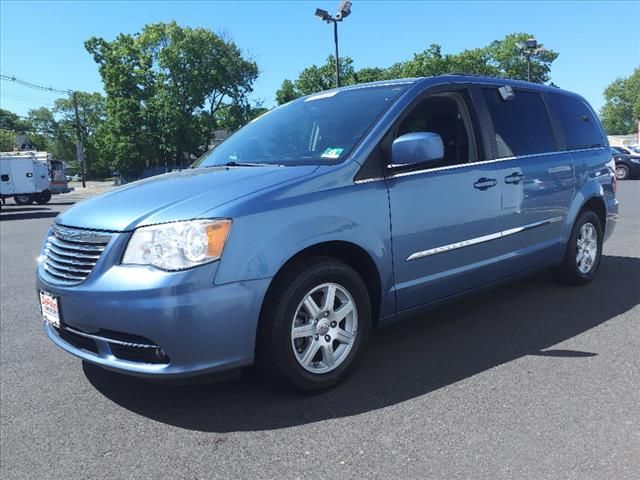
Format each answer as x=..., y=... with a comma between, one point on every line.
x=162, y=355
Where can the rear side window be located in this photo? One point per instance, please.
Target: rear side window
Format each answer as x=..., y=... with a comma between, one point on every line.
x=581, y=129
x=521, y=123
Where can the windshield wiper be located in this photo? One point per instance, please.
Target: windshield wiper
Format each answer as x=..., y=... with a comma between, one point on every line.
x=244, y=164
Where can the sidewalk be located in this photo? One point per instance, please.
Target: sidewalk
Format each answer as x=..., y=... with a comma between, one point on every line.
x=92, y=188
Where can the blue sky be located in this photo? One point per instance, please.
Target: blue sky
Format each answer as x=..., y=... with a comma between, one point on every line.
x=43, y=41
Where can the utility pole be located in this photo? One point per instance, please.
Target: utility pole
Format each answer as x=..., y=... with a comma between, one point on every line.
x=79, y=146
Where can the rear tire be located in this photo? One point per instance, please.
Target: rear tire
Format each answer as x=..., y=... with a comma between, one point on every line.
x=584, y=251
x=305, y=339
x=43, y=197
x=622, y=172
x=26, y=199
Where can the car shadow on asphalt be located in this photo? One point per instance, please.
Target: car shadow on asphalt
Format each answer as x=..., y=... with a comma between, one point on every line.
x=12, y=209
x=23, y=214
x=404, y=360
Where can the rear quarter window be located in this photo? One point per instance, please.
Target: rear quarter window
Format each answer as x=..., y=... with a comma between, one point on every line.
x=521, y=123
x=581, y=129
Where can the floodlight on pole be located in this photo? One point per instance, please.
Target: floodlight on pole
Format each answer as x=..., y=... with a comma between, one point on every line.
x=344, y=10
x=529, y=48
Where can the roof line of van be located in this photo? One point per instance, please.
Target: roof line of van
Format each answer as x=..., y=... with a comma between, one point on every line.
x=458, y=78
x=455, y=78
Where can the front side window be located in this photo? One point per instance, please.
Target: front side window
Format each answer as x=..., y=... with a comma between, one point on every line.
x=445, y=114
x=581, y=129
x=521, y=123
x=318, y=129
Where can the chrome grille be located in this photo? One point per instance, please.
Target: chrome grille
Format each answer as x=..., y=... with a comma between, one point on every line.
x=70, y=253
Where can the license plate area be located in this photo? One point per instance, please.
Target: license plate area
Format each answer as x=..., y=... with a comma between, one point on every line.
x=50, y=307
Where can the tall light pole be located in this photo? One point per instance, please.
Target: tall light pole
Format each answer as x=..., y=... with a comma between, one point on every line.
x=529, y=48
x=343, y=12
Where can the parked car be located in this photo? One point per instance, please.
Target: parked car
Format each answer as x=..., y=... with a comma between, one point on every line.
x=635, y=149
x=627, y=166
x=623, y=150
x=325, y=218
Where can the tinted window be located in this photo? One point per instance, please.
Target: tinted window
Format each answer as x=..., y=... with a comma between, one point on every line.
x=442, y=114
x=581, y=129
x=318, y=129
x=522, y=124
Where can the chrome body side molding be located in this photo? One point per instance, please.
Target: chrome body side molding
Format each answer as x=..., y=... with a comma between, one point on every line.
x=482, y=239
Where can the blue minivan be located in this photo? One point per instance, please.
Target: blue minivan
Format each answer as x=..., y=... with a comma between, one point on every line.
x=326, y=217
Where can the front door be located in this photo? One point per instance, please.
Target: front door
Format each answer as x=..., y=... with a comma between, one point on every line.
x=445, y=220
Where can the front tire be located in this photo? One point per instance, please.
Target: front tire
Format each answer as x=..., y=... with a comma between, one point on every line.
x=314, y=325
x=584, y=251
x=26, y=199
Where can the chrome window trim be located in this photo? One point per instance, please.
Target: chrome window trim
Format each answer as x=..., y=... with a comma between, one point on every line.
x=482, y=239
x=471, y=164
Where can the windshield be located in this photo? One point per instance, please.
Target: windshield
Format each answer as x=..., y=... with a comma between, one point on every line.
x=318, y=129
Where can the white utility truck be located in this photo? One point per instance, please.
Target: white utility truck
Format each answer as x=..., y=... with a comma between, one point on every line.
x=25, y=177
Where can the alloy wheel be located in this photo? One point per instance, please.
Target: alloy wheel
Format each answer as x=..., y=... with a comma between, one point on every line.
x=587, y=248
x=324, y=328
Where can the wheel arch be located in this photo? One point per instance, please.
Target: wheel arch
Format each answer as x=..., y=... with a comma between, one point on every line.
x=597, y=205
x=591, y=196
x=353, y=255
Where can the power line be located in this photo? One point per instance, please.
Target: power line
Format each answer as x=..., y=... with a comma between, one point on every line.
x=35, y=86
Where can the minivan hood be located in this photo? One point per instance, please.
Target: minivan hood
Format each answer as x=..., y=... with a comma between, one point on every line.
x=174, y=196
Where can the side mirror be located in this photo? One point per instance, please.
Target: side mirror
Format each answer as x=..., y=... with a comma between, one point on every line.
x=416, y=148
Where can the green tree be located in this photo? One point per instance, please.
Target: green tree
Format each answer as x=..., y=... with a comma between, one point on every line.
x=164, y=87
x=317, y=78
x=92, y=115
x=287, y=92
x=11, y=121
x=510, y=63
x=42, y=129
x=7, y=139
x=621, y=109
x=372, y=74
x=501, y=58
x=233, y=116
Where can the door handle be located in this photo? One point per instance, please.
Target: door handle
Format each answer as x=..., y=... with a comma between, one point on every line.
x=514, y=179
x=485, y=183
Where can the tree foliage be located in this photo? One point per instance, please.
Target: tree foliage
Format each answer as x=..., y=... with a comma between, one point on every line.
x=12, y=122
x=7, y=140
x=165, y=87
x=54, y=130
x=621, y=110
x=501, y=58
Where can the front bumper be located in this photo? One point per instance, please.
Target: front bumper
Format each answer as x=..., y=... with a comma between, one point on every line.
x=200, y=327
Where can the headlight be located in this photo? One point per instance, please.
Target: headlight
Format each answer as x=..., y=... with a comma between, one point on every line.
x=177, y=245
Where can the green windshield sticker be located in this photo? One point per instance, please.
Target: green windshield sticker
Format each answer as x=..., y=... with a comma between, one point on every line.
x=332, y=152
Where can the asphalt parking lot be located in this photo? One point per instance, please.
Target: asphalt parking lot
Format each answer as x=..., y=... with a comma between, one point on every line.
x=529, y=381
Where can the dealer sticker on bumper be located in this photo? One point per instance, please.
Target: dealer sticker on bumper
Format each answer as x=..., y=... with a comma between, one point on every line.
x=50, y=310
